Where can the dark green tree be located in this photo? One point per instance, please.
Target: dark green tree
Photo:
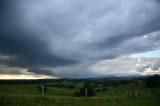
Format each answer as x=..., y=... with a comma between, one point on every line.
x=90, y=90
x=77, y=93
x=104, y=89
x=153, y=81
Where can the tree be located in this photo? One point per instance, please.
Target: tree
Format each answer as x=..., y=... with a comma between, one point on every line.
x=98, y=90
x=71, y=86
x=90, y=90
x=104, y=89
x=77, y=93
x=95, y=85
x=153, y=81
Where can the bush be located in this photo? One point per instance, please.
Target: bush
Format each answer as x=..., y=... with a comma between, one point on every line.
x=153, y=81
x=104, y=89
x=104, y=85
x=115, y=85
x=71, y=86
x=77, y=93
x=90, y=90
x=98, y=90
x=95, y=85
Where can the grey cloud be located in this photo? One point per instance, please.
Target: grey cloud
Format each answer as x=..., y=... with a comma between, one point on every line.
x=126, y=66
x=122, y=66
x=29, y=49
x=153, y=64
x=12, y=70
x=41, y=71
x=66, y=34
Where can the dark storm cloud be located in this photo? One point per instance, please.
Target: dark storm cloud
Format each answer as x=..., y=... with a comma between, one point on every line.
x=41, y=71
x=46, y=34
x=29, y=49
x=11, y=70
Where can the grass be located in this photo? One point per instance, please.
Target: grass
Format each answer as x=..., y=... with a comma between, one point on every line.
x=28, y=95
x=53, y=91
x=73, y=101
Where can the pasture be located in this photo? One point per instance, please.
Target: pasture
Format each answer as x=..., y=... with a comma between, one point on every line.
x=28, y=95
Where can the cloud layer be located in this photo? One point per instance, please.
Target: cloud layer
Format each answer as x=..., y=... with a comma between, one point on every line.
x=67, y=38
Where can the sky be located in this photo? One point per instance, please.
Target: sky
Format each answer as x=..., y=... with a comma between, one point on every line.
x=79, y=38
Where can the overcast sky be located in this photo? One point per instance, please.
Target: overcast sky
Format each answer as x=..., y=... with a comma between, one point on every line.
x=80, y=38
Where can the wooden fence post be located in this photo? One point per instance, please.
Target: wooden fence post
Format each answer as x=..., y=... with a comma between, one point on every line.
x=86, y=92
x=42, y=89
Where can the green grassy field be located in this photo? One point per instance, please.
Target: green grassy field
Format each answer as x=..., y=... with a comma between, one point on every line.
x=28, y=95
x=20, y=100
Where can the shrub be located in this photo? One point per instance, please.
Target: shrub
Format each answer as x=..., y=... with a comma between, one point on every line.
x=98, y=90
x=104, y=89
x=90, y=90
x=153, y=81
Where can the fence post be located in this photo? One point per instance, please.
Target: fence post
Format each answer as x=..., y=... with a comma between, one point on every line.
x=42, y=89
x=86, y=92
